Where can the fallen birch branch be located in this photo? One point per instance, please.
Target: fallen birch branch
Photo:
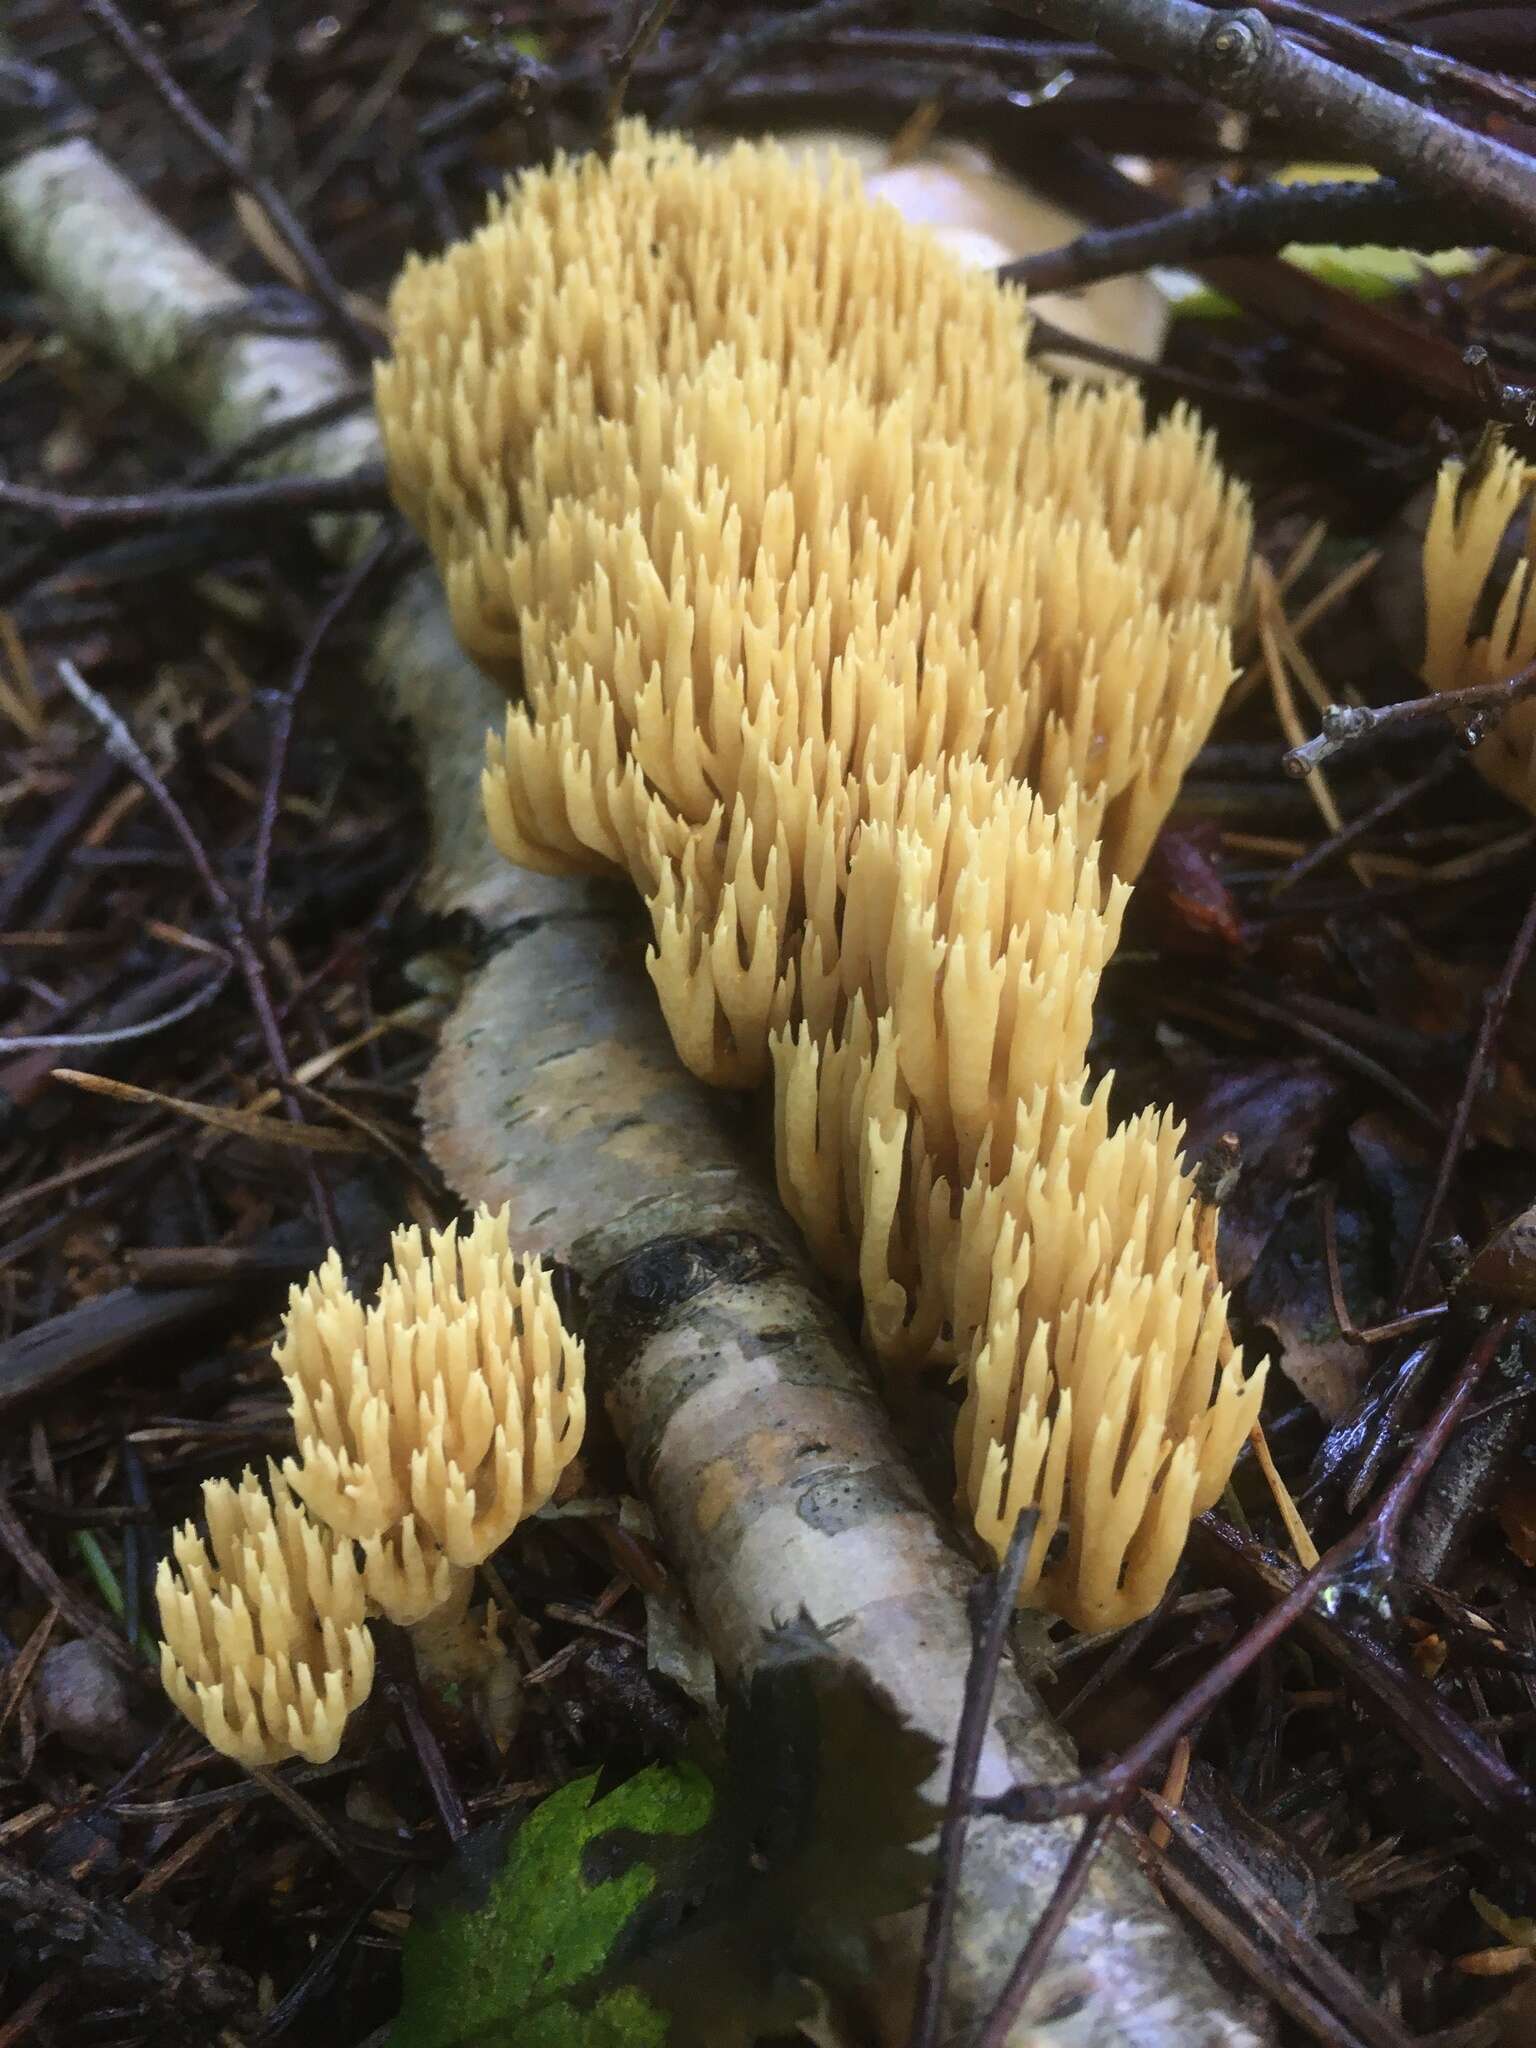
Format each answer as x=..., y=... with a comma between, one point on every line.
x=748, y=1419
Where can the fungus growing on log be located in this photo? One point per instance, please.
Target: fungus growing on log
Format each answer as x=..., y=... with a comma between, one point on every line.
x=634, y=515
x=265, y=1648
x=429, y=1424
x=1126, y=1956
x=433, y=1421
x=937, y=1144
x=957, y=982
x=1101, y=1386
x=1480, y=605
x=874, y=662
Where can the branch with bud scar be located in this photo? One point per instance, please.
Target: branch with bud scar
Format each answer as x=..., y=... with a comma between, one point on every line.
x=1344, y=724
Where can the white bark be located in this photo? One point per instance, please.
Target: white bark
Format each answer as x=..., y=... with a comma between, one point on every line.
x=749, y=1422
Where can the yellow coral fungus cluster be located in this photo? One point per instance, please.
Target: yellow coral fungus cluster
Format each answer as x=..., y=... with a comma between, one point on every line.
x=1101, y=1384
x=434, y=1420
x=265, y=1649
x=874, y=661
x=1480, y=602
x=728, y=466
x=429, y=1424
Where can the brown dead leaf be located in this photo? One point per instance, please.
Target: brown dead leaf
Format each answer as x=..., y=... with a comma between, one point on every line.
x=1182, y=894
x=1288, y=1293
x=1278, y=1110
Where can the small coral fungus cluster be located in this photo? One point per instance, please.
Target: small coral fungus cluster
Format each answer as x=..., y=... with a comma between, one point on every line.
x=874, y=661
x=428, y=1424
x=1480, y=601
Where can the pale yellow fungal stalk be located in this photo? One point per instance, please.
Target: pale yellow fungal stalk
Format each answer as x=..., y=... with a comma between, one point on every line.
x=1102, y=1389
x=1477, y=628
x=434, y=1420
x=265, y=1649
x=971, y=921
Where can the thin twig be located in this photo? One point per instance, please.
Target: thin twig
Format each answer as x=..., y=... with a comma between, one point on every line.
x=341, y=601
x=1349, y=1329
x=1344, y=724
x=736, y=54
x=1495, y=1006
x=122, y=745
x=79, y=1041
x=277, y=434
x=405, y=1691
x=364, y=490
x=1256, y=220
x=31, y=1564
x=962, y=49
x=309, y=1817
x=61, y=548
x=1127, y=1646
x=650, y=20
x=1243, y=60
x=1042, y=1938
x=1349, y=835
x=1045, y=337
x=107, y=17
x=994, y=1600
x=1340, y=1048
x=1501, y=399
x=1495, y=1795
x=321, y=1966
x=1342, y=1992
x=48, y=844
x=1410, y=62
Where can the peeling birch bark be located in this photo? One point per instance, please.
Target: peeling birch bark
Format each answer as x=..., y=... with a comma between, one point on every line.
x=747, y=1416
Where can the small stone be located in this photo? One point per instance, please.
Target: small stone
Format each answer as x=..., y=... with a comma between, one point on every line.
x=82, y=1698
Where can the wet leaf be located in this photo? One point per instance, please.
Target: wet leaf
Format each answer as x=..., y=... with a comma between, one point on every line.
x=1502, y=1271
x=1277, y=1110
x=1183, y=896
x=1289, y=1292
x=502, y=1964
x=702, y=1904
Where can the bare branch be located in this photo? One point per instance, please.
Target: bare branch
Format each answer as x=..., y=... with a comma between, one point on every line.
x=1345, y=724
x=1241, y=58
x=1257, y=221
x=364, y=491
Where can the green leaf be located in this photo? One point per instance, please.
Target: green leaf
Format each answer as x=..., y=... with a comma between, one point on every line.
x=821, y=1808
x=497, y=1960
x=698, y=1904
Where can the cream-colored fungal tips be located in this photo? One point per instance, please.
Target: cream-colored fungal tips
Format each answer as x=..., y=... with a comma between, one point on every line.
x=265, y=1648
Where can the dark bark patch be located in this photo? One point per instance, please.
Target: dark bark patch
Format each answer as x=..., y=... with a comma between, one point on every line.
x=640, y=1296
